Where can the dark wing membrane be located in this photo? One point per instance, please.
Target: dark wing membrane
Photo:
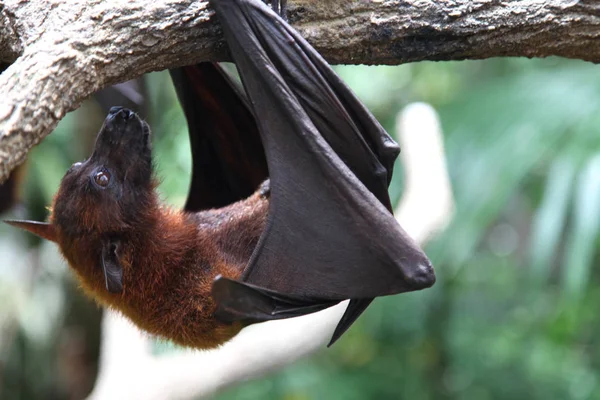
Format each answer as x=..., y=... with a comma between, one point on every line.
x=247, y=303
x=240, y=301
x=330, y=234
x=228, y=159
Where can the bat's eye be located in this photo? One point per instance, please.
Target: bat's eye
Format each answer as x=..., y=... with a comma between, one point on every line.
x=102, y=178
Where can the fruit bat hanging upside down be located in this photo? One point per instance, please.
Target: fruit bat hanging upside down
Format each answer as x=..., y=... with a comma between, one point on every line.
x=244, y=249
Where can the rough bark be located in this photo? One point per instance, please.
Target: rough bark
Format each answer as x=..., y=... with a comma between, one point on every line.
x=63, y=51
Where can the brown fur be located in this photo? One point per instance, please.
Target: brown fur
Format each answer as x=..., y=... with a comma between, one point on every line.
x=132, y=254
x=169, y=259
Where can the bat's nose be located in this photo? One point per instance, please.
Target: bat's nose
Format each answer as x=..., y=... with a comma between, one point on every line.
x=119, y=113
x=114, y=110
x=123, y=130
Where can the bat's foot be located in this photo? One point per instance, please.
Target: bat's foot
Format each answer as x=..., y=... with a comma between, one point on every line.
x=280, y=7
x=265, y=189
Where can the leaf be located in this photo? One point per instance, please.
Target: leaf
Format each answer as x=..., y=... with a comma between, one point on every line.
x=580, y=247
x=549, y=219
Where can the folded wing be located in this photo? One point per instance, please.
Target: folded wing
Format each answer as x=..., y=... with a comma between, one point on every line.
x=330, y=233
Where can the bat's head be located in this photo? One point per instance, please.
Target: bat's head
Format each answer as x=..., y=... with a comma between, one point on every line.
x=105, y=193
x=104, y=198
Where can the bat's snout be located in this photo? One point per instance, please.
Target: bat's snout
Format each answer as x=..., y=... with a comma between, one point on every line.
x=119, y=117
x=120, y=111
x=123, y=132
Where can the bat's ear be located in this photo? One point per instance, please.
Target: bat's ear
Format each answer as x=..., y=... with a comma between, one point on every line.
x=42, y=229
x=113, y=271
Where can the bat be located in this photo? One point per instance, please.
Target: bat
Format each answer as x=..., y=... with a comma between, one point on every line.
x=244, y=249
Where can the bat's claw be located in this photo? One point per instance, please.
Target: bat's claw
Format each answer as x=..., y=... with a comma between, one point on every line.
x=265, y=189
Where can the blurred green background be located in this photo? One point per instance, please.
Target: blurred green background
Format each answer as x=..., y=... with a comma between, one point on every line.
x=514, y=313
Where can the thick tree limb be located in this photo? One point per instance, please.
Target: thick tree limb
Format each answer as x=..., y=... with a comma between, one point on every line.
x=62, y=51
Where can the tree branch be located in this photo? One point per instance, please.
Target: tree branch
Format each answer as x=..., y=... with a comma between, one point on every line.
x=63, y=51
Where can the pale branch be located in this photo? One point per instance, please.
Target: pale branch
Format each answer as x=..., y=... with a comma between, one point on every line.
x=63, y=51
x=419, y=133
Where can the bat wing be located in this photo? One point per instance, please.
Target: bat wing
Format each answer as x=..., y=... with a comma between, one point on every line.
x=228, y=158
x=250, y=303
x=330, y=233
